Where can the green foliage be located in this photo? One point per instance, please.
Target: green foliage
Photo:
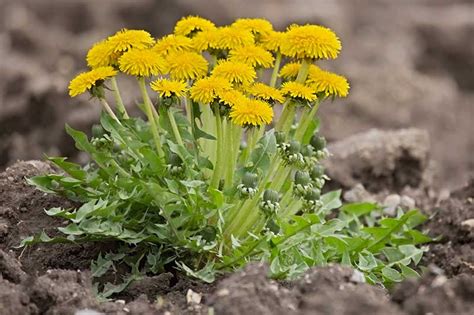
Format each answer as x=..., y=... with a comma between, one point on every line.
x=163, y=213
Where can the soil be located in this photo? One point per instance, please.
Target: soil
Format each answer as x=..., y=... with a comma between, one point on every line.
x=410, y=65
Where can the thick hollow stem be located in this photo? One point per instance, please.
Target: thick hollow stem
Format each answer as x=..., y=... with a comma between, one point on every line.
x=234, y=136
x=216, y=175
x=288, y=113
x=174, y=127
x=109, y=110
x=151, y=117
x=305, y=122
x=276, y=68
x=118, y=99
x=252, y=138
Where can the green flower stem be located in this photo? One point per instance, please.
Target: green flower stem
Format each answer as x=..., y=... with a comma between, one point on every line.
x=276, y=69
x=174, y=127
x=293, y=207
x=234, y=135
x=290, y=118
x=284, y=115
x=280, y=179
x=188, y=108
x=109, y=110
x=208, y=125
x=283, y=123
x=151, y=117
x=305, y=121
x=252, y=138
x=216, y=175
x=304, y=70
x=118, y=99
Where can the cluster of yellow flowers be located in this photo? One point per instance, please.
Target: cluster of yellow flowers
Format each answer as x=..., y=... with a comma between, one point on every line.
x=224, y=65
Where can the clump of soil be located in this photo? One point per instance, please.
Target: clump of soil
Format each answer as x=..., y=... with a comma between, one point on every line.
x=380, y=160
x=453, y=222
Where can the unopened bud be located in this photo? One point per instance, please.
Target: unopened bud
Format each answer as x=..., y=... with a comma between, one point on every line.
x=318, y=142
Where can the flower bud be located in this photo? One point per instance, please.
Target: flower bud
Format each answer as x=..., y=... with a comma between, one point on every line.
x=248, y=187
x=279, y=137
x=270, y=202
x=272, y=226
x=294, y=147
x=317, y=172
x=302, y=183
x=97, y=131
x=313, y=194
x=209, y=233
x=307, y=151
x=302, y=178
x=312, y=199
x=271, y=195
x=175, y=165
x=318, y=142
x=291, y=153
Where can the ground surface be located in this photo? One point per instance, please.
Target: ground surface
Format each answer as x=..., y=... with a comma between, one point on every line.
x=410, y=64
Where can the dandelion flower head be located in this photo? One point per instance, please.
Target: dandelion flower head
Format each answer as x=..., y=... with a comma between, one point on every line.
x=87, y=80
x=186, y=65
x=253, y=55
x=142, y=63
x=207, y=89
x=251, y=112
x=125, y=40
x=330, y=83
x=310, y=41
x=169, y=88
x=191, y=24
x=235, y=72
x=298, y=91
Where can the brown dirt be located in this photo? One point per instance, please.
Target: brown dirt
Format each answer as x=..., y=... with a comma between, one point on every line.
x=410, y=65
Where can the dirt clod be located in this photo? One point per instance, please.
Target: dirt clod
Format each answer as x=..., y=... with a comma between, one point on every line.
x=379, y=160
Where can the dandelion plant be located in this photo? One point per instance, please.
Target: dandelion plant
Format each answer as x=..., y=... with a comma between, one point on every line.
x=223, y=165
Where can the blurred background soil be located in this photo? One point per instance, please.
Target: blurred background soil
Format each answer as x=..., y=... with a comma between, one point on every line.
x=410, y=64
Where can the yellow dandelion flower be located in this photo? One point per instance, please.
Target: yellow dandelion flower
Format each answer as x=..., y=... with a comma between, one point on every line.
x=191, y=24
x=272, y=40
x=207, y=89
x=186, y=65
x=234, y=72
x=169, y=88
x=125, y=39
x=298, y=91
x=231, y=38
x=172, y=44
x=290, y=70
x=253, y=55
x=230, y=97
x=87, y=80
x=265, y=92
x=329, y=83
x=310, y=41
x=205, y=40
x=102, y=55
x=251, y=113
x=256, y=26
x=142, y=63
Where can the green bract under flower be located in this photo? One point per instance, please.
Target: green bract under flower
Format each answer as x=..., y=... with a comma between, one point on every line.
x=210, y=178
